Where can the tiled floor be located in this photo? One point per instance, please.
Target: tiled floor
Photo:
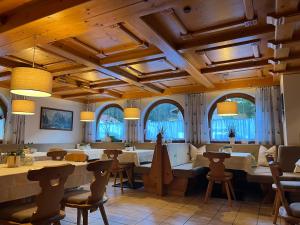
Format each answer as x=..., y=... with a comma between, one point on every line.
x=136, y=207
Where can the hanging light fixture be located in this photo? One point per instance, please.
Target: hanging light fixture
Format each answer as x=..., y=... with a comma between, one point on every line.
x=30, y=81
x=227, y=108
x=87, y=116
x=23, y=107
x=132, y=113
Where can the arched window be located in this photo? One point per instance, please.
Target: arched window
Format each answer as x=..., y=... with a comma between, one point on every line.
x=110, y=123
x=167, y=116
x=243, y=124
x=3, y=113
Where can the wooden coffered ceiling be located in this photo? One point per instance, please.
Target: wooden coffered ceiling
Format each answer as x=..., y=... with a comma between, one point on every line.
x=100, y=50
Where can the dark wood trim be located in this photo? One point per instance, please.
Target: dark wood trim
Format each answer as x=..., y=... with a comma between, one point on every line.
x=221, y=99
x=162, y=101
x=42, y=108
x=100, y=113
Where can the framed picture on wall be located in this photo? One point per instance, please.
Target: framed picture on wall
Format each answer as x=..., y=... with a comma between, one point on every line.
x=56, y=119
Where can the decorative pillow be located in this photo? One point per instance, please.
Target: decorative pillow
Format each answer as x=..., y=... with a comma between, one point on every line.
x=263, y=152
x=195, y=151
x=85, y=147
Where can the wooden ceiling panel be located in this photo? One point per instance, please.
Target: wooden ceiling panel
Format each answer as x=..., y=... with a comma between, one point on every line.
x=107, y=39
x=6, y=6
x=242, y=74
x=128, y=88
x=225, y=54
x=93, y=76
x=177, y=82
x=153, y=66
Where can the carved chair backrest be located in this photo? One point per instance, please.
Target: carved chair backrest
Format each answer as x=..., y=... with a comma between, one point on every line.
x=101, y=170
x=216, y=163
x=56, y=153
x=51, y=180
x=113, y=154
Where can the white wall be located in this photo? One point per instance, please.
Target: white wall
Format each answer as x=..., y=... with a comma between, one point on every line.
x=34, y=134
x=290, y=87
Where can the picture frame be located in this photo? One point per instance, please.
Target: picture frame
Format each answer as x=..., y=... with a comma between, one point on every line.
x=56, y=119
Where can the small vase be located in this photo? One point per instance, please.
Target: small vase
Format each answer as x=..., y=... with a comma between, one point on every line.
x=232, y=140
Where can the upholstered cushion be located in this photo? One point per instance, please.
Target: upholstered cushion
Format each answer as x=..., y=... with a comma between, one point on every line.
x=77, y=196
x=18, y=213
x=263, y=152
x=194, y=151
x=295, y=208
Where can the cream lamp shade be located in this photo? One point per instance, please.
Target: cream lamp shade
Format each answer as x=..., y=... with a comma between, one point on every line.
x=29, y=81
x=23, y=107
x=131, y=113
x=227, y=108
x=87, y=116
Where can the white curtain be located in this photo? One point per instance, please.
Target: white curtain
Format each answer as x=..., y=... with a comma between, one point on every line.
x=18, y=125
x=89, y=128
x=196, y=119
x=268, y=116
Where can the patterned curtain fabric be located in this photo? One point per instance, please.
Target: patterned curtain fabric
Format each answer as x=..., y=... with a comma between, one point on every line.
x=18, y=124
x=196, y=119
x=268, y=116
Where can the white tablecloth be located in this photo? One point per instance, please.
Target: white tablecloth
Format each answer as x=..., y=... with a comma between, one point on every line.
x=15, y=185
x=39, y=156
x=137, y=157
x=238, y=161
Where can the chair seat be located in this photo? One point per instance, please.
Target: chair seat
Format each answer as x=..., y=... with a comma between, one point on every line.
x=288, y=185
x=295, y=209
x=18, y=213
x=227, y=176
x=77, y=196
x=22, y=213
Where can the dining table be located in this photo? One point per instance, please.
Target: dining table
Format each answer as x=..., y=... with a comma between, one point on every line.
x=238, y=161
x=14, y=184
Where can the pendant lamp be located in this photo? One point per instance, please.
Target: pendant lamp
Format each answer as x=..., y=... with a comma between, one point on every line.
x=227, y=108
x=131, y=113
x=31, y=81
x=23, y=107
x=87, y=116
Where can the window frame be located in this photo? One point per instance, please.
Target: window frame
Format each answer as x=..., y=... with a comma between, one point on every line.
x=222, y=99
x=100, y=114
x=157, y=103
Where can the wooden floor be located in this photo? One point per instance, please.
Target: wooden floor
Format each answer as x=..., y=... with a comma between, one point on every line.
x=136, y=207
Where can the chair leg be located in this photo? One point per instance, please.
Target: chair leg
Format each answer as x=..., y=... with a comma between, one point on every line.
x=78, y=216
x=228, y=193
x=85, y=216
x=103, y=214
x=232, y=190
x=121, y=181
x=208, y=191
x=276, y=207
x=129, y=176
x=115, y=179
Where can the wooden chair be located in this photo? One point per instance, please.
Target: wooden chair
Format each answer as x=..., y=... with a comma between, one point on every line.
x=217, y=174
x=46, y=209
x=85, y=200
x=56, y=153
x=290, y=212
x=118, y=168
x=76, y=157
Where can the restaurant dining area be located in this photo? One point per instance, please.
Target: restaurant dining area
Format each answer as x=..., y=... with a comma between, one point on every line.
x=149, y=112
